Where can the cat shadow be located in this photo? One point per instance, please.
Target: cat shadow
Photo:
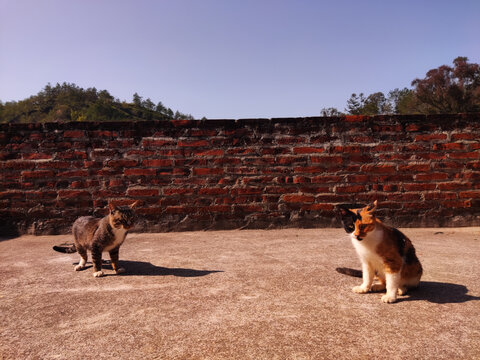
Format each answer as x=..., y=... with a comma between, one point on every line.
x=440, y=293
x=141, y=268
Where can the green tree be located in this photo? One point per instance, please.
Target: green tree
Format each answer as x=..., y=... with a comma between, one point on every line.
x=450, y=89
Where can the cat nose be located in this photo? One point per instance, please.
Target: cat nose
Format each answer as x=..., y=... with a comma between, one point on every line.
x=359, y=238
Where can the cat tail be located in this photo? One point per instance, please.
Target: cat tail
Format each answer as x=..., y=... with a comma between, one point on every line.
x=350, y=272
x=65, y=248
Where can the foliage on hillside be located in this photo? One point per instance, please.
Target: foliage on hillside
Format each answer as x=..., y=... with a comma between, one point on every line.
x=68, y=102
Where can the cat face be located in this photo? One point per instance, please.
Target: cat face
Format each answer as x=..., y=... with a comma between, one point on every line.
x=122, y=216
x=348, y=214
x=365, y=221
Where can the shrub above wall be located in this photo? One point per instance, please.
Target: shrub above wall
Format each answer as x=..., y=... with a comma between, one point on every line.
x=254, y=173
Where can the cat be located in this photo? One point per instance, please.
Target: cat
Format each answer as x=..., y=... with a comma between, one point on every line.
x=386, y=253
x=348, y=217
x=99, y=235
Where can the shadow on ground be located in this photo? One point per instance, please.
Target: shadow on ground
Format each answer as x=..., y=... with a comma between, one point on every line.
x=440, y=293
x=141, y=268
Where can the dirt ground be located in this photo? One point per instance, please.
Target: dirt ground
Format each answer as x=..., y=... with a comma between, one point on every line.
x=237, y=295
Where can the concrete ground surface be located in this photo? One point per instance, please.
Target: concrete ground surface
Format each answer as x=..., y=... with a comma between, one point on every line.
x=250, y=294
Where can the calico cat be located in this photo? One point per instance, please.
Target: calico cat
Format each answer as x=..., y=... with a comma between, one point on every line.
x=348, y=217
x=386, y=253
x=99, y=235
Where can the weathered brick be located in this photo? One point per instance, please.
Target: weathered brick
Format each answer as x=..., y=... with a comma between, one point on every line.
x=140, y=172
x=142, y=192
x=430, y=137
x=432, y=177
x=350, y=189
x=308, y=150
x=157, y=162
x=379, y=168
x=295, y=198
x=74, y=134
x=208, y=171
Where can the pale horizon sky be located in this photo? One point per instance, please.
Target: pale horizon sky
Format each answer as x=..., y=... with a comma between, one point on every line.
x=232, y=59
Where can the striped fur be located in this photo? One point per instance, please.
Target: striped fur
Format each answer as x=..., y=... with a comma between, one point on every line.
x=99, y=235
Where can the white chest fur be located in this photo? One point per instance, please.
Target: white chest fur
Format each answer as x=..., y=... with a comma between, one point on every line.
x=366, y=249
x=119, y=234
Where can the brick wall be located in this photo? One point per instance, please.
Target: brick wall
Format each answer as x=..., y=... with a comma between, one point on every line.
x=262, y=173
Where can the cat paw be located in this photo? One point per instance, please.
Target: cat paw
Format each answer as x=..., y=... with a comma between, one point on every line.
x=360, y=289
x=98, y=274
x=120, y=270
x=402, y=291
x=79, y=267
x=388, y=299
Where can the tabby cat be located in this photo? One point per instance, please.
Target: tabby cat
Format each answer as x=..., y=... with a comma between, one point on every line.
x=386, y=253
x=99, y=235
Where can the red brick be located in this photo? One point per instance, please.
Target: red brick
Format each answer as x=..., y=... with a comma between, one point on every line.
x=432, y=177
x=327, y=160
x=464, y=155
x=349, y=189
x=469, y=194
x=308, y=150
x=419, y=187
x=157, y=142
x=318, y=207
x=208, y=171
x=142, y=192
x=180, y=209
x=454, y=186
x=430, y=137
x=37, y=156
x=39, y=174
x=216, y=209
x=122, y=163
x=178, y=191
x=449, y=146
x=298, y=198
x=55, y=165
x=355, y=118
x=73, y=173
x=309, y=169
x=325, y=179
x=157, y=162
x=18, y=165
x=213, y=152
x=74, y=134
x=140, y=172
x=440, y=196
x=414, y=168
x=464, y=136
x=71, y=194
x=213, y=191
x=194, y=143
x=246, y=191
x=248, y=208
x=379, y=169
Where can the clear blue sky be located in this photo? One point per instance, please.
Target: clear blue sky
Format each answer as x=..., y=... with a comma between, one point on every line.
x=232, y=58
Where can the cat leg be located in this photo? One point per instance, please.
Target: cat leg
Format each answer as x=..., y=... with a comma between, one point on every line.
x=381, y=284
x=83, y=258
x=393, y=284
x=97, y=261
x=114, y=257
x=367, y=274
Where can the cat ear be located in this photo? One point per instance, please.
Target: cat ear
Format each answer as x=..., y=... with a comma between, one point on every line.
x=135, y=204
x=112, y=207
x=372, y=207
